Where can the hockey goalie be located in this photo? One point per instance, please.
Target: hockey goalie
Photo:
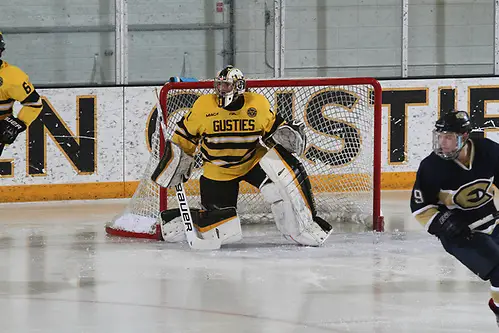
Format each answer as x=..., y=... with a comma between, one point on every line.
x=239, y=138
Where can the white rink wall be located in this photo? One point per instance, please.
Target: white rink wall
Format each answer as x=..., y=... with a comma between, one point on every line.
x=59, y=158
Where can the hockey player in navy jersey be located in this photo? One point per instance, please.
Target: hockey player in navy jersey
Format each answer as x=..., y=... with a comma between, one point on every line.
x=453, y=197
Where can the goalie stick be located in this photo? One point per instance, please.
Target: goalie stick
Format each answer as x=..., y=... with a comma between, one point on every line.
x=190, y=233
x=192, y=238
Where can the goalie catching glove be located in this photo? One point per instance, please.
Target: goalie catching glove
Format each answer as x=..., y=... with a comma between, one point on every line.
x=175, y=167
x=291, y=136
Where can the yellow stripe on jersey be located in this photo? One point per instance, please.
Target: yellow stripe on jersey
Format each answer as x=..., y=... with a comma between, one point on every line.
x=227, y=161
x=426, y=215
x=187, y=145
x=32, y=107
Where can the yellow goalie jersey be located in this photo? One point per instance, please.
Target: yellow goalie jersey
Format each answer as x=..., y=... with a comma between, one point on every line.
x=15, y=86
x=229, y=140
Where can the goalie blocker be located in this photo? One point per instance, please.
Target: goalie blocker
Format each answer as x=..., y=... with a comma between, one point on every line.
x=175, y=167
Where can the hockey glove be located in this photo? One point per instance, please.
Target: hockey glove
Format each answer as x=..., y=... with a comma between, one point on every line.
x=298, y=126
x=447, y=224
x=175, y=167
x=291, y=136
x=10, y=128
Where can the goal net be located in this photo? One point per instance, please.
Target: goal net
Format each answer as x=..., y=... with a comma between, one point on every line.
x=342, y=158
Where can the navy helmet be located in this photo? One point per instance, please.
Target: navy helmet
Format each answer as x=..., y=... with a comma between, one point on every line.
x=451, y=134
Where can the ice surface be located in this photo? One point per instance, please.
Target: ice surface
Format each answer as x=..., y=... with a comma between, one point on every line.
x=60, y=272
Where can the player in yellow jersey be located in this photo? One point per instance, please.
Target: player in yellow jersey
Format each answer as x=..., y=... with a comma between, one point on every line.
x=15, y=86
x=232, y=130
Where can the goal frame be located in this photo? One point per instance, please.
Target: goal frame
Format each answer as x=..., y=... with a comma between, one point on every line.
x=377, y=218
x=378, y=221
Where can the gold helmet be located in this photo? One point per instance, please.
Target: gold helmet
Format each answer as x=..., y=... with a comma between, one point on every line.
x=229, y=84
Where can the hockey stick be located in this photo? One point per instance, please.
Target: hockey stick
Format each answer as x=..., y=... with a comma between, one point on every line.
x=192, y=238
x=482, y=221
x=190, y=233
x=2, y=146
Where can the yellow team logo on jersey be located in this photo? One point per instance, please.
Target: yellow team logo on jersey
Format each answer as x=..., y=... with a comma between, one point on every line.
x=475, y=194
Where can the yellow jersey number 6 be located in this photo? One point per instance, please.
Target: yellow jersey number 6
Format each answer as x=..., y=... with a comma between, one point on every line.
x=27, y=87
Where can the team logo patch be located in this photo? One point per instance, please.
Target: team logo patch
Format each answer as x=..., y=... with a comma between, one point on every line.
x=251, y=112
x=475, y=194
x=1, y=81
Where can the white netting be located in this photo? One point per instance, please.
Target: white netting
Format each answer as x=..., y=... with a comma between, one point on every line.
x=339, y=157
x=139, y=218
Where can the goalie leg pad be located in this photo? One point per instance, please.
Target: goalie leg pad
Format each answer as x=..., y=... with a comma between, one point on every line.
x=175, y=166
x=223, y=224
x=297, y=226
x=220, y=223
x=291, y=201
x=172, y=226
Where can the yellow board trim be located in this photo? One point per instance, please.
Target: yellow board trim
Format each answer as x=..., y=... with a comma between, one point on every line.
x=79, y=191
x=110, y=190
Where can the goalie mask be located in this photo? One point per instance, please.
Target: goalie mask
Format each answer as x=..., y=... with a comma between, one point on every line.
x=2, y=44
x=229, y=84
x=451, y=134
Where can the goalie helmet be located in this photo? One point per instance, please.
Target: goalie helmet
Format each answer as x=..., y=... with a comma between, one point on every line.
x=2, y=44
x=451, y=134
x=229, y=84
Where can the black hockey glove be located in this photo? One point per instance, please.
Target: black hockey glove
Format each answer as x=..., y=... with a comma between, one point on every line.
x=10, y=128
x=447, y=224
